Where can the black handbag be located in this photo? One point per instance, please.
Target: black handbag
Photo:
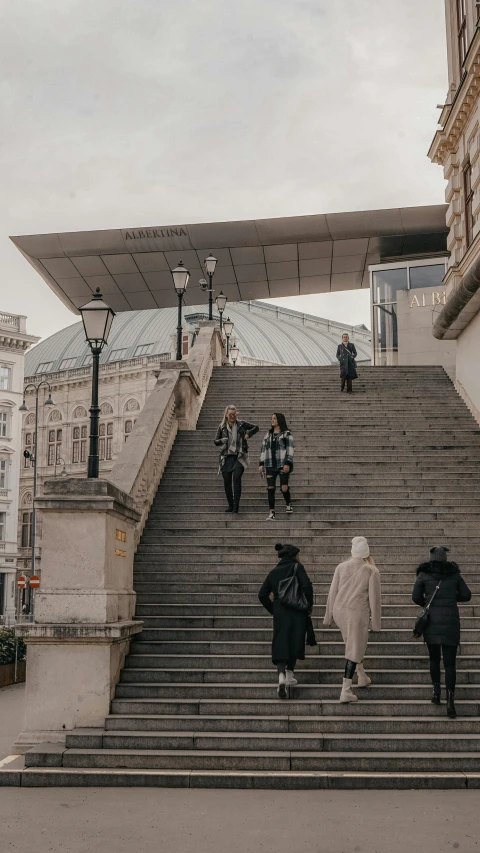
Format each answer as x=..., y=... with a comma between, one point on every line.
x=422, y=621
x=290, y=593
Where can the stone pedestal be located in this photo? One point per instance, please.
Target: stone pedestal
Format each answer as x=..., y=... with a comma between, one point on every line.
x=83, y=610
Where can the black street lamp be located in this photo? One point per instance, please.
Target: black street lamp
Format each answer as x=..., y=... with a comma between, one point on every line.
x=221, y=302
x=234, y=353
x=228, y=327
x=33, y=456
x=210, y=264
x=97, y=319
x=180, y=280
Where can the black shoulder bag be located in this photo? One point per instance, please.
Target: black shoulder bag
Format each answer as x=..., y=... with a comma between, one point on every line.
x=290, y=593
x=422, y=621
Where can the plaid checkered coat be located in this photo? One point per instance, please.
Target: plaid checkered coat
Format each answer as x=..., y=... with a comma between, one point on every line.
x=284, y=452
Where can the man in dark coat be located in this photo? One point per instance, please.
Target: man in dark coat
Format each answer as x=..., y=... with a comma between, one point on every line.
x=289, y=625
x=442, y=634
x=346, y=355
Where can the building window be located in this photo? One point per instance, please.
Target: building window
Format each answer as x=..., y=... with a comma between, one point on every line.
x=144, y=349
x=3, y=473
x=5, y=374
x=27, y=518
x=54, y=446
x=105, y=432
x=67, y=363
x=468, y=193
x=184, y=344
x=3, y=521
x=4, y=424
x=462, y=31
x=128, y=428
x=117, y=354
x=45, y=367
x=79, y=450
x=29, y=445
x=426, y=276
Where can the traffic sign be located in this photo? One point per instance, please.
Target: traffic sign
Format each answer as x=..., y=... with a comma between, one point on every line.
x=34, y=582
x=22, y=582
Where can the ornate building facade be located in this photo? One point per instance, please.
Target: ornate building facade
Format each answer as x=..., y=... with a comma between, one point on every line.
x=14, y=342
x=456, y=147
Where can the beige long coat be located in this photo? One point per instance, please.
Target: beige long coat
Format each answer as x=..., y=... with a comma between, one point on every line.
x=354, y=599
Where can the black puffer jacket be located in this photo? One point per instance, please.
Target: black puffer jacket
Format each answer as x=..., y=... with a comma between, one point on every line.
x=444, y=623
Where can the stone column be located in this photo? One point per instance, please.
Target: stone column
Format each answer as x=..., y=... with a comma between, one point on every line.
x=83, y=610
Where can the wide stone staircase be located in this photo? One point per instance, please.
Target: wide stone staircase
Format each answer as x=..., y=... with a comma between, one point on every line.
x=196, y=706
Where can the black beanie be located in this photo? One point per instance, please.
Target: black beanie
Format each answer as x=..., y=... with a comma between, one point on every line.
x=289, y=551
x=438, y=554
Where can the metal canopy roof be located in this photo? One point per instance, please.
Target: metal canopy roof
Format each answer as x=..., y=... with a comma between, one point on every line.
x=257, y=259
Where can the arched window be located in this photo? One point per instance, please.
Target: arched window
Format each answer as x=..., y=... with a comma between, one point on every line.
x=105, y=432
x=79, y=443
x=54, y=446
x=30, y=446
x=27, y=516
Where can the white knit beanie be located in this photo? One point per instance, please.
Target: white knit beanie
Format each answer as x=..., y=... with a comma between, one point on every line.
x=360, y=547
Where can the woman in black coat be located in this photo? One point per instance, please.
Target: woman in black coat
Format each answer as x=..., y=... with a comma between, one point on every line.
x=346, y=355
x=289, y=625
x=442, y=634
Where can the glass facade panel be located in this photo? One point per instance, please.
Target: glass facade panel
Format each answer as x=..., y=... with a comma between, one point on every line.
x=387, y=282
x=385, y=335
x=429, y=276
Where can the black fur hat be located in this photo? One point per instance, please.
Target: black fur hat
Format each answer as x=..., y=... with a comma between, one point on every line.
x=289, y=551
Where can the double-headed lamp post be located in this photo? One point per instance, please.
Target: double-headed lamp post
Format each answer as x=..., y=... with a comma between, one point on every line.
x=97, y=319
x=221, y=302
x=234, y=352
x=228, y=327
x=180, y=280
x=210, y=264
x=34, y=456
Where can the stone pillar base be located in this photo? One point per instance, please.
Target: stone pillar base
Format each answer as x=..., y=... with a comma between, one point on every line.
x=72, y=670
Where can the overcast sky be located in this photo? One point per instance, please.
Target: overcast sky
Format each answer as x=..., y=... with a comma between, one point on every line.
x=152, y=112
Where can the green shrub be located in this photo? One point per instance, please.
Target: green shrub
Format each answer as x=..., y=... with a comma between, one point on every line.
x=7, y=646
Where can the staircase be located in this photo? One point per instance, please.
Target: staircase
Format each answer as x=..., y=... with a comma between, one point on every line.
x=196, y=706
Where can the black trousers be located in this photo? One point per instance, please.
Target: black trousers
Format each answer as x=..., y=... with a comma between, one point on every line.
x=272, y=475
x=232, y=474
x=349, y=384
x=435, y=650
x=282, y=665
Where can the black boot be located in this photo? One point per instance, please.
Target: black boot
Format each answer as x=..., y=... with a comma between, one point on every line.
x=229, y=509
x=235, y=509
x=436, y=694
x=451, y=712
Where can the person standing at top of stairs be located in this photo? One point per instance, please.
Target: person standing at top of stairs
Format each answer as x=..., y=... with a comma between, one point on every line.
x=346, y=355
x=354, y=599
x=289, y=625
x=442, y=634
x=232, y=438
x=276, y=460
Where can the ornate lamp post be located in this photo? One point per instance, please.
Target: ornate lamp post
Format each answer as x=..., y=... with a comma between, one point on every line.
x=34, y=456
x=234, y=353
x=180, y=280
x=228, y=327
x=97, y=319
x=221, y=302
x=210, y=264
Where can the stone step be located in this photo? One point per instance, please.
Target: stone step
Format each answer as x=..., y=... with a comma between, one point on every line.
x=257, y=647
x=215, y=611
x=159, y=674
x=264, y=623
x=318, y=692
x=315, y=660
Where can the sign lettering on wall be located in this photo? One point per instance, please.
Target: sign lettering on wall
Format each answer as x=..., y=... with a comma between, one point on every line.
x=422, y=300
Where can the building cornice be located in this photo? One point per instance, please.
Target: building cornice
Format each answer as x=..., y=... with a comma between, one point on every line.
x=461, y=307
x=446, y=138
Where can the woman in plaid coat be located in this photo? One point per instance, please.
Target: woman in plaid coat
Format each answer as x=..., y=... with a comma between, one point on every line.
x=276, y=460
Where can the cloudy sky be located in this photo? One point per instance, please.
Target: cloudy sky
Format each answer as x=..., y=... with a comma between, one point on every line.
x=122, y=114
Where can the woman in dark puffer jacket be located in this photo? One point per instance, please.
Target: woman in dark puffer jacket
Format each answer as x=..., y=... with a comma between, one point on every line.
x=442, y=634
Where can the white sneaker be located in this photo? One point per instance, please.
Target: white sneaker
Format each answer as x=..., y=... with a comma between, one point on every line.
x=289, y=508
x=363, y=678
x=291, y=680
x=271, y=515
x=347, y=694
x=281, y=689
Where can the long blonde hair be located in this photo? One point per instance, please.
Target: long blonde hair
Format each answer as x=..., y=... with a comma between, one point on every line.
x=227, y=410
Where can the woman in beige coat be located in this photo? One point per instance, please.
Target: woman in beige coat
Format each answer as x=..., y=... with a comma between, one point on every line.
x=353, y=601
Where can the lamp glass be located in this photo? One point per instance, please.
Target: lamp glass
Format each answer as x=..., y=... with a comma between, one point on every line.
x=97, y=319
x=210, y=264
x=234, y=352
x=180, y=278
x=49, y=401
x=221, y=301
x=23, y=407
x=228, y=326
